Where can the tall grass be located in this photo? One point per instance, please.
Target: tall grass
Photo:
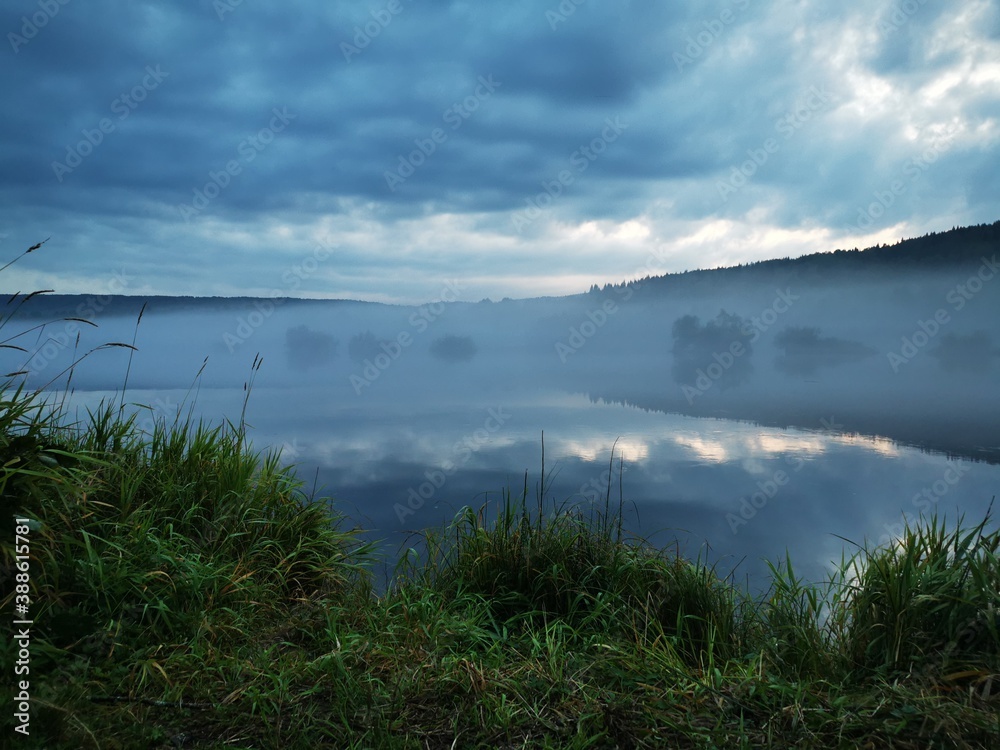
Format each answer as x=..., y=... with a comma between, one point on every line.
x=186, y=593
x=156, y=558
x=161, y=557
x=931, y=599
x=580, y=567
x=925, y=606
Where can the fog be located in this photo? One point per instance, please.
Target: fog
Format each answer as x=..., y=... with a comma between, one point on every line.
x=858, y=392
x=901, y=357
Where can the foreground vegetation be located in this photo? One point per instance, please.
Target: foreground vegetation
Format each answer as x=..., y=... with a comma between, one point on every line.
x=186, y=594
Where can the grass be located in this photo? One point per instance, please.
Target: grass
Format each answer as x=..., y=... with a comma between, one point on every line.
x=186, y=593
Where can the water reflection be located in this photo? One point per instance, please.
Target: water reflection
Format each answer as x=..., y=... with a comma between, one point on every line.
x=793, y=415
x=736, y=492
x=717, y=352
x=733, y=492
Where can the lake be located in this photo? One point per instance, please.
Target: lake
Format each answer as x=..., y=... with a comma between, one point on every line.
x=737, y=428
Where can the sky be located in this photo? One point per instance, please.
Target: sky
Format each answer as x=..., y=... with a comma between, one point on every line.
x=398, y=150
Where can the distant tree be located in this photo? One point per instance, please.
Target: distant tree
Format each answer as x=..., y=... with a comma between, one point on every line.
x=705, y=351
x=306, y=348
x=454, y=348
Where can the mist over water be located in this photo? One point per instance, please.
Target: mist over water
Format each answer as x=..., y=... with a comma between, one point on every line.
x=739, y=416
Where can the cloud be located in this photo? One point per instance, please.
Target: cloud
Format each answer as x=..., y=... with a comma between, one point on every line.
x=911, y=96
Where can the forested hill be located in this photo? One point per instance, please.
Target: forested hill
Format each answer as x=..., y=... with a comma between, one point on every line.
x=55, y=306
x=959, y=247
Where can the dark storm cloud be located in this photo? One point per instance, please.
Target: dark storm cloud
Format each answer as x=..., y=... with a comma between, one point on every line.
x=149, y=134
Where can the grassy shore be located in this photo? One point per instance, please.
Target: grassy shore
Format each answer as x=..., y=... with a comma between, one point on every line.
x=186, y=593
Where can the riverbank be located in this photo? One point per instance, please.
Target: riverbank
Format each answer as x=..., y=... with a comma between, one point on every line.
x=184, y=592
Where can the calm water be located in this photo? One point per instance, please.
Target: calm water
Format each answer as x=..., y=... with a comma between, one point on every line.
x=734, y=491
x=807, y=431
